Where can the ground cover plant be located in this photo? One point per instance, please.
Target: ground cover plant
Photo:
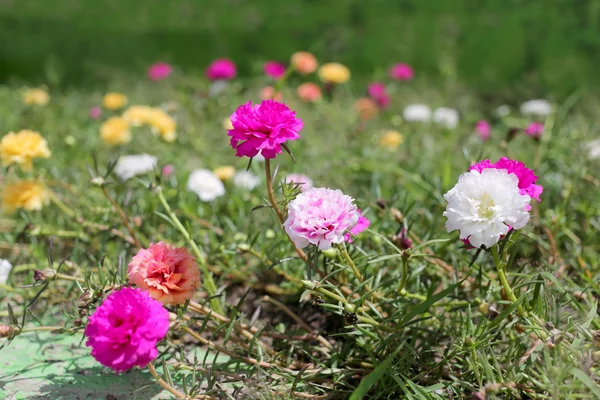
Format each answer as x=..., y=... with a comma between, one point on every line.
x=297, y=236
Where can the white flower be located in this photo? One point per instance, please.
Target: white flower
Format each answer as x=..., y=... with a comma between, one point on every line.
x=5, y=267
x=536, y=107
x=502, y=111
x=446, y=116
x=593, y=149
x=245, y=180
x=138, y=164
x=483, y=205
x=417, y=113
x=205, y=184
x=217, y=87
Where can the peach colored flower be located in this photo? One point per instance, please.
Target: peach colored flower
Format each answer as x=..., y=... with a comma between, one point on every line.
x=115, y=131
x=170, y=274
x=366, y=108
x=114, y=101
x=304, y=62
x=28, y=195
x=269, y=93
x=309, y=92
x=22, y=147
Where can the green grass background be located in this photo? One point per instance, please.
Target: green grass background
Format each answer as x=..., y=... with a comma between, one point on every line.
x=495, y=46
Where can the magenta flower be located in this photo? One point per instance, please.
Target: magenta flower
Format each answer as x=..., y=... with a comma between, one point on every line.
x=274, y=69
x=534, y=130
x=527, y=177
x=378, y=94
x=401, y=72
x=95, y=112
x=125, y=328
x=221, y=69
x=320, y=217
x=168, y=170
x=303, y=181
x=484, y=129
x=159, y=71
x=263, y=128
x=362, y=224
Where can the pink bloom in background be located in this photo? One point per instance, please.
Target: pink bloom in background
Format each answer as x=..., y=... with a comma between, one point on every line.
x=168, y=273
x=269, y=93
x=168, y=170
x=483, y=129
x=303, y=181
x=362, y=224
x=401, y=72
x=535, y=129
x=159, y=71
x=95, y=112
x=274, y=69
x=221, y=69
x=378, y=94
x=309, y=92
x=320, y=217
x=125, y=328
x=263, y=128
x=527, y=177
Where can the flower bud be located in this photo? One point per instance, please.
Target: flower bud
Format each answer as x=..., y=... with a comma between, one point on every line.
x=42, y=275
x=331, y=253
x=484, y=307
x=7, y=331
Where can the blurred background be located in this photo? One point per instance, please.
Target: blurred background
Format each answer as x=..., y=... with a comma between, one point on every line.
x=535, y=47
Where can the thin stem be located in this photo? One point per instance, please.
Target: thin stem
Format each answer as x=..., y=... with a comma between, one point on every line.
x=503, y=279
x=404, y=275
x=350, y=262
x=123, y=217
x=164, y=384
x=209, y=283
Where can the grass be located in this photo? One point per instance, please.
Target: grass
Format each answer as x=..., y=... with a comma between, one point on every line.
x=445, y=329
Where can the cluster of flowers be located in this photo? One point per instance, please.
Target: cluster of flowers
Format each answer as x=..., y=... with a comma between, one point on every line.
x=539, y=109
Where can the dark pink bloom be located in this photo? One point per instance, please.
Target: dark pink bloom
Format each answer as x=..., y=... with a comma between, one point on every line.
x=168, y=170
x=401, y=72
x=527, y=177
x=95, y=112
x=274, y=69
x=221, y=69
x=125, y=328
x=362, y=224
x=159, y=71
x=535, y=129
x=263, y=128
x=378, y=94
x=403, y=241
x=484, y=129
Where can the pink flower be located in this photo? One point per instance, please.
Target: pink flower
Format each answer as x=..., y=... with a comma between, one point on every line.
x=527, y=177
x=401, y=72
x=309, y=92
x=535, y=129
x=221, y=69
x=378, y=93
x=274, y=69
x=168, y=273
x=263, y=128
x=168, y=170
x=320, y=217
x=483, y=129
x=159, y=71
x=269, y=93
x=362, y=224
x=303, y=181
x=95, y=112
x=125, y=328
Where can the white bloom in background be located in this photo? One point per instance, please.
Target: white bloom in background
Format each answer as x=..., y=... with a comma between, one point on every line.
x=5, y=267
x=205, y=184
x=536, y=107
x=217, y=87
x=416, y=113
x=483, y=205
x=447, y=117
x=246, y=180
x=502, y=111
x=593, y=149
x=129, y=166
x=303, y=181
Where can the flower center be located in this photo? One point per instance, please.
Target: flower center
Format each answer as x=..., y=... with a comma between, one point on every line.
x=485, y=208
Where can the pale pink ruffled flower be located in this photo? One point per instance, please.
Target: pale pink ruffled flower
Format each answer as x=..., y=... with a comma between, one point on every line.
x=484, y=129
x=303, y=181
x=168, y=170
x=221, y=69
x=274, y=69
x=378, y=94
x=321, y=217
x=125, y=328
x=263, y=128
x=170, y=274
x=95, y=112
x=534, y=129
x=401, y=72
x=159, y=71
x=362, y=224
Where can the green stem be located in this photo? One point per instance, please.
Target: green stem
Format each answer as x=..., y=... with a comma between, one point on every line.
x=355, y=270
x=500, y=268
x=209, y=283
x=404, y=275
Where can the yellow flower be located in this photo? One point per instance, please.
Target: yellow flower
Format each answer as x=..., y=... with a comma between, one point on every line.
x=115, y=131
x=22, y=147
x=334, y=73
x=163, y=124
x=114, y=101
x=137, y=115
x=227, y=125
x=28, y=195
x=224, y=173
x=391, y=140
x=36, y=97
